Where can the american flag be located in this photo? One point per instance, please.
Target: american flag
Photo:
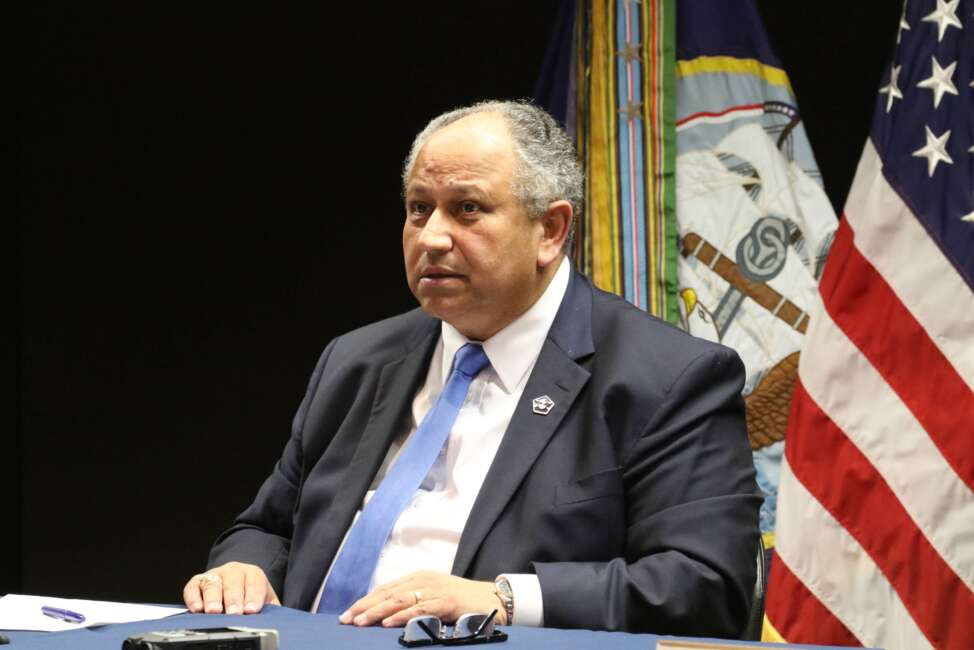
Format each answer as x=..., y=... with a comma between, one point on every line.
x=875, y=531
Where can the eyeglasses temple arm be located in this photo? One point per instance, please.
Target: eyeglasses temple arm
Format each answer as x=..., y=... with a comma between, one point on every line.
x=485, y=623
x=428, y=631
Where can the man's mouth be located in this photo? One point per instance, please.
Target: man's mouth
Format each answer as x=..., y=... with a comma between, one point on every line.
x=438, y=275
x=438, y=272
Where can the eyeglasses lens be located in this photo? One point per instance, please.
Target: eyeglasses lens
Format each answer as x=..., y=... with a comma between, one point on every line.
x=468, y=624
x=414, y=628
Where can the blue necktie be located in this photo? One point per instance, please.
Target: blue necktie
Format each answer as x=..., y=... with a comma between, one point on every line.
x=352, y=572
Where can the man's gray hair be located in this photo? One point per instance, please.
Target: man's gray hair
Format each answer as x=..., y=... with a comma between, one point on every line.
x=547, y=168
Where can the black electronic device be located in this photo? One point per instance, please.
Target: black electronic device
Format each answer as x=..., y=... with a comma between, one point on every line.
x=213, y=638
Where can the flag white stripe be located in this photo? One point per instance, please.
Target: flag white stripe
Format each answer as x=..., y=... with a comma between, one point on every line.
x=844, y=578
x=894, y=442
x=890, y=237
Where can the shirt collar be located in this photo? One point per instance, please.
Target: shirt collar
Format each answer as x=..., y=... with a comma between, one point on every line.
x=513, y=350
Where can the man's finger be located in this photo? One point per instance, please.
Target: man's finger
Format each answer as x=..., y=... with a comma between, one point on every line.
x=395, y=602
x=211, y=584
x=395, y=585
x=364, y=603
x=192, y=596
x=255, y=591
x=432, y=607
x=233, y=589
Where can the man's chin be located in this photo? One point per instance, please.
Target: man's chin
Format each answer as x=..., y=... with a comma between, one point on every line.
x=467, y=320
x=443, y=308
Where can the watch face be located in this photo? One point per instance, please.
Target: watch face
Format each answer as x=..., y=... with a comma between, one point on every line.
x=504, y=586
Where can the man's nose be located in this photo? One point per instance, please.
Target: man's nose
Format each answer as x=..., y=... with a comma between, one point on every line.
x=437, y=235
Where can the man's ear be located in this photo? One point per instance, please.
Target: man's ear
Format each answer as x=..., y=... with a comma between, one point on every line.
x=556, y=223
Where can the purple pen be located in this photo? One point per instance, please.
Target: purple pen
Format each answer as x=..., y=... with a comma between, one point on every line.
x=63, y=614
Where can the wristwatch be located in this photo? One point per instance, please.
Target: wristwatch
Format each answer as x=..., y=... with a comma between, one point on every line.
x=502, y=587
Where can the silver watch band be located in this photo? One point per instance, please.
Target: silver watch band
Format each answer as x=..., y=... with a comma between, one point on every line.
x=502, y=587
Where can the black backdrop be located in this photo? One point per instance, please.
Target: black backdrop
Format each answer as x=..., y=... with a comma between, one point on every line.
x=209, y=194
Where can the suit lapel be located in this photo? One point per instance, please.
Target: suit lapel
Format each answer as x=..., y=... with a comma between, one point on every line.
x=394, y=393
x=557, y=375
x=561, y=379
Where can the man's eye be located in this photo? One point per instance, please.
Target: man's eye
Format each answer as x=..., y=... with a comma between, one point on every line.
x=469, y=207
x=419, y=208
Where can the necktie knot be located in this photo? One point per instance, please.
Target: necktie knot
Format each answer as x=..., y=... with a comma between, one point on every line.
x=470, y=360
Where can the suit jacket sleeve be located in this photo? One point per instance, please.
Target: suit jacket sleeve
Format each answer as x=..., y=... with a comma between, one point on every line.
x=262, y=533
x=691, y=538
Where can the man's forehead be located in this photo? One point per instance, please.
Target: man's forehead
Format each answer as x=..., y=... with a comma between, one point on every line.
x=456, y=168
x=478, y=143
x=490, y=126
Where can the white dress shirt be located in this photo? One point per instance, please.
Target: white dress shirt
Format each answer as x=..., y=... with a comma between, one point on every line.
x=427, y=533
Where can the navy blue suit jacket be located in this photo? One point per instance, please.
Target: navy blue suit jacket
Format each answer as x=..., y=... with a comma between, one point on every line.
x=633, y=500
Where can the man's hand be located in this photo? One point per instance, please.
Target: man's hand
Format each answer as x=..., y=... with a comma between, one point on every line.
x=234, y=587
x=424, y=593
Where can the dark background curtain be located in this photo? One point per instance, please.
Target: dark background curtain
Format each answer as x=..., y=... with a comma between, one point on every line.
x=207, y=196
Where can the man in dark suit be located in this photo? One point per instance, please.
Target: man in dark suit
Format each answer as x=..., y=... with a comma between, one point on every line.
x=597, y=474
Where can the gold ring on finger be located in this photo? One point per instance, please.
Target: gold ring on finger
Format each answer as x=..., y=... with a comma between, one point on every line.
x=209, y=579
x=418, y=595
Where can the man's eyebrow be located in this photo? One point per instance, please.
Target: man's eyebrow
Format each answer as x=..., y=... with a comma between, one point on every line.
x=453, y=188
x=469, y=188
x=414, y=190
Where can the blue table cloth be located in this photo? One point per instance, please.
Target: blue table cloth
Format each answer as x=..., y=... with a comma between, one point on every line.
x=303, y=631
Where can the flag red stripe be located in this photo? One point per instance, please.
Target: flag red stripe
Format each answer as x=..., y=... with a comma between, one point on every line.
x=732, y=109
x=798, y=615
x=864, y=306
x=849, y=487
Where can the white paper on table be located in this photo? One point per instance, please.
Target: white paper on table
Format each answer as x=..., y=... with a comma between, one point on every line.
x=20, y=612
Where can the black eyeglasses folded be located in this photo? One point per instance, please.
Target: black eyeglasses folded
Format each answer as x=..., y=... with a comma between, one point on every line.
x=469, y=629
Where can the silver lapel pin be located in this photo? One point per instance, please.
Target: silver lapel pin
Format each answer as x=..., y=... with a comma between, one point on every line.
x=542, y=405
